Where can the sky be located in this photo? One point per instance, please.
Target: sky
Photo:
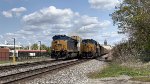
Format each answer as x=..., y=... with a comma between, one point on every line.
x=30, y=21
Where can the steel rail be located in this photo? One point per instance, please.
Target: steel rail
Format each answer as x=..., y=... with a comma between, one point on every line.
x=26, y=74
x=24, y=65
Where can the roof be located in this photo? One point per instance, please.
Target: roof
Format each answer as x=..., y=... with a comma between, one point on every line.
x=10, y=46
x=89, y=41
x=32, y=50
x=62, y=37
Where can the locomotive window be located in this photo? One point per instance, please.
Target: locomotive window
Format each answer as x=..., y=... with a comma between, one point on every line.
x=84, y=42
x=59, y=44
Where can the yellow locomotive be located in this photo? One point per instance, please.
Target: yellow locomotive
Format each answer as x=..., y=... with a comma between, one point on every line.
x=64, y=47
x=89, y=48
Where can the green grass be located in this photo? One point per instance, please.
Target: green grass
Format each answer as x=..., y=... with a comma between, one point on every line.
x=115, y=70
x=3, y=62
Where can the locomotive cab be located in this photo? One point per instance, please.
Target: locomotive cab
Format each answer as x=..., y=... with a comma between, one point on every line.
x=63, y=47
x=88, y=48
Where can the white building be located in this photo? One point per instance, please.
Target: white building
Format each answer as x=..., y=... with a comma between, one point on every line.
x=9, y=46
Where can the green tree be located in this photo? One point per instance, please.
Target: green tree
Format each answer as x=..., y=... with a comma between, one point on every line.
x=48, y=50
x=25, y=47
x=133, y=18
x=43, y=47
x=34, y=46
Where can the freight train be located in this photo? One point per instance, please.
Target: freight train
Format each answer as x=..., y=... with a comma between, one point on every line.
x=65, y=47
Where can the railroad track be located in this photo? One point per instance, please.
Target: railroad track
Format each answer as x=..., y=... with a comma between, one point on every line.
x=13, y=78
x=8, y=67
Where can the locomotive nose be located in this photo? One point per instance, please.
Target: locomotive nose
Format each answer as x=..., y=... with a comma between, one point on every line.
x=59, y=45
x=87, y=46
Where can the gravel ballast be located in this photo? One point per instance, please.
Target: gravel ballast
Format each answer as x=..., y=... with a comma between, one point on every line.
x=27, y=68
x=72, y=75
x=78, y=75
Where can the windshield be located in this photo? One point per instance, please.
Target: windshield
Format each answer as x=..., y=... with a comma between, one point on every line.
x=89, y=41
x=60, y=37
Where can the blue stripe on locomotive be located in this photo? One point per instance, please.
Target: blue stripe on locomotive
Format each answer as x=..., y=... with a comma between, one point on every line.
x=71, y=43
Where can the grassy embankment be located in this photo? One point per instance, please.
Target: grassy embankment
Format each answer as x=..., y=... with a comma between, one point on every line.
x=25, y=60
x=115, y=70
x=3, y=62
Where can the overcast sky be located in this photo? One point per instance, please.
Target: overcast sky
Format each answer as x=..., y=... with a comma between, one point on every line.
x=30, y=21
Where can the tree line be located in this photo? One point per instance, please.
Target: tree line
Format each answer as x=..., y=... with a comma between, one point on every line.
x=133, y=19
x=35, y=46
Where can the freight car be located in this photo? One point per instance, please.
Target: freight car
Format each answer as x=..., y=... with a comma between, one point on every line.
x=104, y=51
x=64, y=47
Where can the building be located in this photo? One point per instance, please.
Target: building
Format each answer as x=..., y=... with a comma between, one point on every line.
x=9, y=46
x=105, y=42
x=4, y=54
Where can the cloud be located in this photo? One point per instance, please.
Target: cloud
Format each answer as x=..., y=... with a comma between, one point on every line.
x=49, y=15
x=1, y=36
x=14, y=12
x=47, y=22
x=18, y=11
x=7, y=14
x=61, y=21
x=104, y=4
x=113, y=37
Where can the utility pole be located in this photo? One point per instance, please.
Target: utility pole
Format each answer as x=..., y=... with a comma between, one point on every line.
x=40, y=47
x=14, y=58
